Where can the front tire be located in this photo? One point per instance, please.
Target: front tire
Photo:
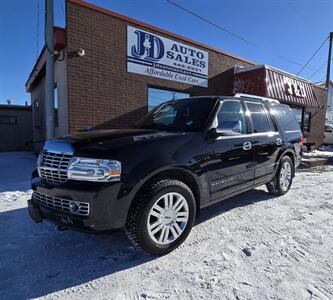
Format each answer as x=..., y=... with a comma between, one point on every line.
x=161, y=217
x=282, y=181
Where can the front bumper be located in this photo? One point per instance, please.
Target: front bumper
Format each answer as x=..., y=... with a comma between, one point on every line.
x=107, y=211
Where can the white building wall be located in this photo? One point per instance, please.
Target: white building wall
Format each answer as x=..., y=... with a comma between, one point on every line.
x=38, y=93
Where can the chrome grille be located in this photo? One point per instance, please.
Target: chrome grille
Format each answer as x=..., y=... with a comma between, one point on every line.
x=64, y=205
x=53, y=167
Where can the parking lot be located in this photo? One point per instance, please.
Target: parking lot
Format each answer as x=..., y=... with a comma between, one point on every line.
x=248, y=247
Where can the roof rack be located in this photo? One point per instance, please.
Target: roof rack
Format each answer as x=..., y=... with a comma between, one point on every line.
x=241, y=95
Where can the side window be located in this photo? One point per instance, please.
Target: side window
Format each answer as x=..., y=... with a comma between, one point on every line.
x=259, y=117
x=231, y=117
x=286, y=117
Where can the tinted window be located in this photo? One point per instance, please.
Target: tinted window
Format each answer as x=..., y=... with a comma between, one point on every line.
x=259, y=117
x=298, y=112
x=179, y=115
x=231, y=116
x=286, y=117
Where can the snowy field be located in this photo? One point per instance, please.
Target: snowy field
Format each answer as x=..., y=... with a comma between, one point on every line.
x=253, y=246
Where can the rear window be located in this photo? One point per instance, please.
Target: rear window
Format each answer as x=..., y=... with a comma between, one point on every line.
x=286, y=117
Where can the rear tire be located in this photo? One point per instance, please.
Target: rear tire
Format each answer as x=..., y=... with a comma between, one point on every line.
x=161, y=217
x=282, y=181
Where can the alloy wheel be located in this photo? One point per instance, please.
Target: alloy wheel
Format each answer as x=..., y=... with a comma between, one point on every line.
x=285, y=175
x=167, y=218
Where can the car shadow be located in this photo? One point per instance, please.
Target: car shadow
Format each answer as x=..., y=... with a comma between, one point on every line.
x=247, y=198
x=37, y=260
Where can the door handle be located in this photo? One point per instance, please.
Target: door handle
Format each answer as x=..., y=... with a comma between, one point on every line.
x=279, y=141
x=247, y=146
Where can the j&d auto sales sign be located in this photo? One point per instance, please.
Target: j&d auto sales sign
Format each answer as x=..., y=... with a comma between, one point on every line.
x=152, y=55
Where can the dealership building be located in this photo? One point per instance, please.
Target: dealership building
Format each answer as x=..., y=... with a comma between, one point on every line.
x=110, y=70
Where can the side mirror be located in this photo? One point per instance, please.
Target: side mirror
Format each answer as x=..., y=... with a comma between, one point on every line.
x=216, y=132
x=227, y=128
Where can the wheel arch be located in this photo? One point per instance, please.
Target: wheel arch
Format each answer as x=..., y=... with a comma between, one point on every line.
x=176, y=173
x=290, y=153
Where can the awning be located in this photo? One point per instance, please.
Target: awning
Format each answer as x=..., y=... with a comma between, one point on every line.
x=273, y=83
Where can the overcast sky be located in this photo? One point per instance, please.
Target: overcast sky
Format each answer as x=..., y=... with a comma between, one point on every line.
x=279, y=28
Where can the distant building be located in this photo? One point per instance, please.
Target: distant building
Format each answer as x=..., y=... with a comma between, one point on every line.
x=15, y=128
x=111, y=69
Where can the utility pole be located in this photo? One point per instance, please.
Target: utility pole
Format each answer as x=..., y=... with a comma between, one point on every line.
x=49, y=80
x=329, y=61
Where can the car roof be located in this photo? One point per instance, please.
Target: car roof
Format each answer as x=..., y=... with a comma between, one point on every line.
x=252, y=98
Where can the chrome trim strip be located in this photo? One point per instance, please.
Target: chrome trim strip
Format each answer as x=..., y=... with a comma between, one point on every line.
x=61, y=204
x=43, y=168
x=291, y=131
x=52, y=166
x=269, y=133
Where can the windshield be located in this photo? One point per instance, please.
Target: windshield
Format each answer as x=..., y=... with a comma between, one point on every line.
x=179, y=115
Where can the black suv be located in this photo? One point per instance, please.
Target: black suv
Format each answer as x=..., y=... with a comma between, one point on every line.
x=152, y=180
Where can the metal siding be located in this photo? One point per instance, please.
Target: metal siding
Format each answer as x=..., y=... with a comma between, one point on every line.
x=273, y=85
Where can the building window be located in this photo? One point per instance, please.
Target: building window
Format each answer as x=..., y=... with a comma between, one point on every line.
x=56, y=105
x=8, y=120
x=303, y=117
x=158, y=96
x=36, y=113
x=307, y=121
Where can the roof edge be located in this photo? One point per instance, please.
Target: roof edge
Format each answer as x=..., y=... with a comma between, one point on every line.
x=59, y=43
x=160, y=30
x=15, y=106
x=252, y=68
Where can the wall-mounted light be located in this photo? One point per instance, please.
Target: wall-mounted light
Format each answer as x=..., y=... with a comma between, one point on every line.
x=80, y=52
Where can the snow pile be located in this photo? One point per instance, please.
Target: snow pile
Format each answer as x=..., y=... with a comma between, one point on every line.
x=318, y=154
x=252, y=246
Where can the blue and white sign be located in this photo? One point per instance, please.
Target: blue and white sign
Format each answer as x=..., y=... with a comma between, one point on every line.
x=152, y=55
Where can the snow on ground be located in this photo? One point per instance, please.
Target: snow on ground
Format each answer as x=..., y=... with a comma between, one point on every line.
x=252, y=246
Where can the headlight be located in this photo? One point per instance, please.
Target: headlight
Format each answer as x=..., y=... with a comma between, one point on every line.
x=90, y=169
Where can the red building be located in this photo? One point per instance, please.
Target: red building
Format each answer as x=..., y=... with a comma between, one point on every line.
x=129, y=66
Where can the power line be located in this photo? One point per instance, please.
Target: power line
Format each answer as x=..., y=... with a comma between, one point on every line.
x=232, y=33
x=313, y=55
x=37, y=32
x=319, y=69
x=212, y=23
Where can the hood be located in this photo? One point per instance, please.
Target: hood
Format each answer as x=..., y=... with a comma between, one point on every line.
x=112, y=139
